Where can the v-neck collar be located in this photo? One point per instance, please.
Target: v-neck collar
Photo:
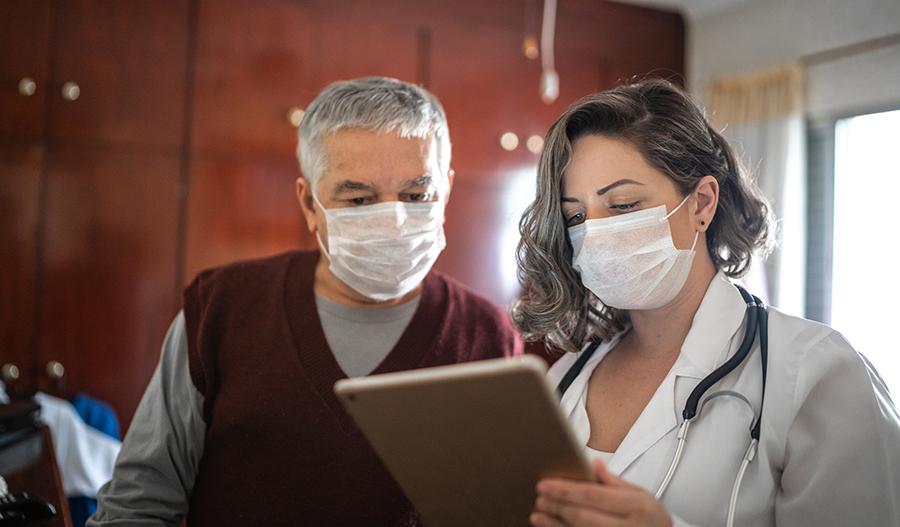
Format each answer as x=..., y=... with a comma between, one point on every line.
x=316, y=357
x=708, y=344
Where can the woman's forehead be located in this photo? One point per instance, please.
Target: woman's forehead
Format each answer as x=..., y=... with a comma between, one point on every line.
x=598, y=162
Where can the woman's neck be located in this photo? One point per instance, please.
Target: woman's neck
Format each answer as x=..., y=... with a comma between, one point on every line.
x=657, y=332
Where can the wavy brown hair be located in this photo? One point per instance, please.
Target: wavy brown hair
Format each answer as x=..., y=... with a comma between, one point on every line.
x=674, y=137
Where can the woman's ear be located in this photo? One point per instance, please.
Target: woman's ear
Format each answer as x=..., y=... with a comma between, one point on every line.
x=707, y=192
x=307, y=204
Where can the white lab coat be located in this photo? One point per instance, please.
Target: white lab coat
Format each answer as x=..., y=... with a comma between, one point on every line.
x=829, y=452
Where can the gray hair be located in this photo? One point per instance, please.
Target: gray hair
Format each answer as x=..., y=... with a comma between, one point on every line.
x=675, y=138
x=379, y=104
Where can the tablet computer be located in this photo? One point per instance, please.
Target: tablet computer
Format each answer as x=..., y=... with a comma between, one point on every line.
x=467, y=442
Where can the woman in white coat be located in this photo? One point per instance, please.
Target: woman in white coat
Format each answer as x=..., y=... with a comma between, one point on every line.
x=642, y=218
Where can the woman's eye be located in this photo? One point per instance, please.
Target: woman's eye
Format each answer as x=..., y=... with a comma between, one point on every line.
x=575, y=219
x=625, y=206
x=417, y=196
x=358, y=201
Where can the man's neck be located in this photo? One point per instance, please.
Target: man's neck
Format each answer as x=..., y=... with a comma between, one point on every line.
x=662, y=331
x=332, y=288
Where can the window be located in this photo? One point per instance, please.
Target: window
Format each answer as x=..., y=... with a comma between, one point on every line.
x=865, y=290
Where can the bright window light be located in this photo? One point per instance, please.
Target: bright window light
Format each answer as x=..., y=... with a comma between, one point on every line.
x=865, y=285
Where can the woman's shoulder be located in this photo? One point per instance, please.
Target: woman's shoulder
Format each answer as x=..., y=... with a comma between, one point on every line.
x=814, y=357
x=797, y=340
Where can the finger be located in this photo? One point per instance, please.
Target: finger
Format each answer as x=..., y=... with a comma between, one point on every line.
x=615, y=500
x=539, y=519
x=604, y=476
x=570, y=514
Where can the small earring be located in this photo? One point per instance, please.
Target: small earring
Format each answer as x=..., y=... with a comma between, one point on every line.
x=702, y=222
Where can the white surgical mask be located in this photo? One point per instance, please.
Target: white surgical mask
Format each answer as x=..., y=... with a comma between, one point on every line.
x=383, y=251
x=630, y=261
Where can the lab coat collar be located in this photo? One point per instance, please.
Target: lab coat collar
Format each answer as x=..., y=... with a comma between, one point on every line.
x=718, y=318
x=706, y=346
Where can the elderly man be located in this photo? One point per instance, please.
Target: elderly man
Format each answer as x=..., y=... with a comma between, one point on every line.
x=239, y=425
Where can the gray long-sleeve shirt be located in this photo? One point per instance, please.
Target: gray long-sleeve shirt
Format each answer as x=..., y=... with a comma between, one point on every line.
x=157, y=467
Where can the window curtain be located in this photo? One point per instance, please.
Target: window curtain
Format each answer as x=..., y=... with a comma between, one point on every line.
x=761, y=114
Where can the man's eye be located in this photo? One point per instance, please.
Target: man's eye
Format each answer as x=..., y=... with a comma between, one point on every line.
x=358, y=201
x=417, y=196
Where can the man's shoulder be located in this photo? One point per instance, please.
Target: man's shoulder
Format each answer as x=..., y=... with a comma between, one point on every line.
x=466, y=298
x=242, y=272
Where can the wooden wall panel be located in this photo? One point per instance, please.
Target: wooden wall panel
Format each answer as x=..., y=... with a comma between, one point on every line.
x=25, y=29
x=129, y=59
x=254, y=62
x=360, y=39
x=239, y=209
x=109, y=270
x=20, y=171
x=257, y=60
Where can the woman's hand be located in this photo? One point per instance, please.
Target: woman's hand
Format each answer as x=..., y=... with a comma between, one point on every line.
x=608, y=501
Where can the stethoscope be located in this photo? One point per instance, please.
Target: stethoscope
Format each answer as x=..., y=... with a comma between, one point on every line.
x=756, y=322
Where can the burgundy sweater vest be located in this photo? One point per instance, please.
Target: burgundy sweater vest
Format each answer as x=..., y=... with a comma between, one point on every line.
x=279, y=448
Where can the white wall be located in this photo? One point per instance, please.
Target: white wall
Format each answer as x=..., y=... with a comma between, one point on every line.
x=760, y=34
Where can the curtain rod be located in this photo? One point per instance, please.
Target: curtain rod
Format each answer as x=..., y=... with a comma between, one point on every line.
x=841, y=52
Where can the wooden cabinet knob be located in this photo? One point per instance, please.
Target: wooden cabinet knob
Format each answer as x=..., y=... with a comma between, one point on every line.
x=71, y=91
x=27, y=86
x=55, y=369
x=9, y=372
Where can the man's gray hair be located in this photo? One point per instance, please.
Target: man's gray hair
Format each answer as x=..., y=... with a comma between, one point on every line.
x=378, y=104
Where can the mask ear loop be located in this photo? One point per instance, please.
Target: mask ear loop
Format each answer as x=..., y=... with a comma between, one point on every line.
x=678, y=207
x=319, y=238
x=696, y=233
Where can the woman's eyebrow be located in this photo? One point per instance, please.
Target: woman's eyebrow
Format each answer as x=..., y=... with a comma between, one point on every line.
x=605, y=189
x=618, y=183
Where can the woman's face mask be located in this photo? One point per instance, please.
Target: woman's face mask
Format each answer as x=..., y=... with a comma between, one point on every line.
x=630, y=261
x=383, y=251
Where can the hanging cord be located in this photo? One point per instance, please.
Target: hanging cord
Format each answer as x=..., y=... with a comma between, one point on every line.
x=549, y=77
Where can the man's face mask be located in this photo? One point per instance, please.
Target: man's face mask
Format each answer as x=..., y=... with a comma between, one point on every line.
x=383, y=251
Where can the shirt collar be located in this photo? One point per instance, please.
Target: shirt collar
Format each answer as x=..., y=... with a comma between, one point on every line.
x=717, y=320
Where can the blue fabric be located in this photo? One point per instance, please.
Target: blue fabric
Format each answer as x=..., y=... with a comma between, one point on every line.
x=99, y=416
x=80, y=509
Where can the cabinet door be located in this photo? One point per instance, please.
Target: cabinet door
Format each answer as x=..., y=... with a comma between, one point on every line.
x=257, y=60
x=254, y=63
x=239, y=209
x=129, y=60
x=25, y=28
x=20, y=173
x=109, y=268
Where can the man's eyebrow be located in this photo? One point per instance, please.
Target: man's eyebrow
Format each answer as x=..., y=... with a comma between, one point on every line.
x=421, y=181
x=349, y=185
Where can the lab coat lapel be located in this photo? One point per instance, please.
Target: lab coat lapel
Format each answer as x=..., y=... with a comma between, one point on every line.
x=707, y=345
